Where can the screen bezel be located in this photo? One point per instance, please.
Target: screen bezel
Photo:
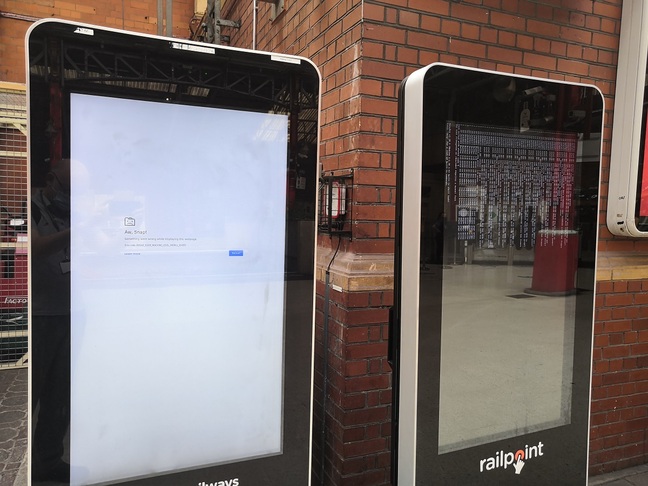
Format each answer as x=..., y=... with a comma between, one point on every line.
x=416, y=458
x=304, y=79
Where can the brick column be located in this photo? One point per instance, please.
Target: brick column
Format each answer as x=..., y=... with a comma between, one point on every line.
x=619, y=414
x=358, y=377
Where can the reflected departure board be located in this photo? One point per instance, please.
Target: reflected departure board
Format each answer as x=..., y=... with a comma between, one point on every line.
x=506, y=185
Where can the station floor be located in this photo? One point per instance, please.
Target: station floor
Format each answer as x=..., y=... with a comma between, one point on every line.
x=13, y=426
x=506, y=355
x=634, y=476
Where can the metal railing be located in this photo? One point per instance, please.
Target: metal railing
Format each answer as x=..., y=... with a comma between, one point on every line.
x=13, y=225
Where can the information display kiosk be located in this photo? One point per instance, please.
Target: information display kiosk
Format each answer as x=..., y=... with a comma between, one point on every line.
x=172, y=260
x=492, y=327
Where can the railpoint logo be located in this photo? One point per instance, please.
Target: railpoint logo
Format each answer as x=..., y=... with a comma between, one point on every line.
x=516, y=459
x=229, y=482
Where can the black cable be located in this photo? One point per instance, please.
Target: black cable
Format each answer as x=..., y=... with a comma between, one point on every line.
x=334, y=255
x=325, y=325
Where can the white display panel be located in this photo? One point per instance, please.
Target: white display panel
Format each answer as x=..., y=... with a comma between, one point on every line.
x=627, y=211
x=178, y=241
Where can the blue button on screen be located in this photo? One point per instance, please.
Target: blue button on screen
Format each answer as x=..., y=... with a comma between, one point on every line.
x=236, y=253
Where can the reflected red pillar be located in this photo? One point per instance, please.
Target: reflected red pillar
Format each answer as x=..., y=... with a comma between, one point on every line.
x=555, y=263
x=556, y=250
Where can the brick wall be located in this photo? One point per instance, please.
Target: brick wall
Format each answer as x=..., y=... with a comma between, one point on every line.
x=572, y=40
x=16, y=16
x=358, y=389
x=619, y=420
x=619, y=414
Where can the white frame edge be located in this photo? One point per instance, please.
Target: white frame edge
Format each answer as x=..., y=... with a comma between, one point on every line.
x=626, y=129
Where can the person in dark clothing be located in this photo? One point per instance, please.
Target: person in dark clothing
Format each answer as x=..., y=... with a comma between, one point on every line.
x=438, y=229
x=50, y=321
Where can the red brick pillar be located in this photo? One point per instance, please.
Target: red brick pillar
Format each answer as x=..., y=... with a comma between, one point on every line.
x=619, y=413
x=357, y=401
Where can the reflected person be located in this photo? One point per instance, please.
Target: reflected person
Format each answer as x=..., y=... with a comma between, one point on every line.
x=50, y=318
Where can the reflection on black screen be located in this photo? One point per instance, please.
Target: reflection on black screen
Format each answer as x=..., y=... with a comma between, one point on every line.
x=508, y=237
x=184, y=280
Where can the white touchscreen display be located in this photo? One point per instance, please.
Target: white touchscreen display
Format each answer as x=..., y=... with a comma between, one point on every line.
x=177, y=266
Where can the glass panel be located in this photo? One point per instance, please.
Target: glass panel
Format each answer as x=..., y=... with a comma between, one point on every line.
x=507, y=218
x=171, y=263
x=505, y=347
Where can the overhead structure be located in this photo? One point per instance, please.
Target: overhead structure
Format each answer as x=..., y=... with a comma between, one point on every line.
x=209, y=27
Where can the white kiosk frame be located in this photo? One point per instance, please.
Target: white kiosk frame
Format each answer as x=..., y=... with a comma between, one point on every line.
x=468, y=150
x=626, y=213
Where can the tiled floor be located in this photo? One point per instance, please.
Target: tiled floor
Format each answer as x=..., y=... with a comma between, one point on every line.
x=13, y=423
x=635, y=476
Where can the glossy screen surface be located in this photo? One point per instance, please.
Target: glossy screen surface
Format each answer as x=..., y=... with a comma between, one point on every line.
x=508, y=188
x=172, y=260
x=168, y=253
x=507, y=175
